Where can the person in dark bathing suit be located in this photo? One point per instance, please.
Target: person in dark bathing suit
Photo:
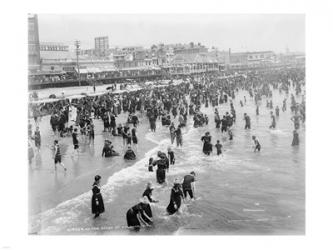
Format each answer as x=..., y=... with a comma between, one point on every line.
x=162, y=165
x=218, y=146
x=295, y=141
x=171, y=156
x=257, y=145
x=273, y=124
x=129, y=138
x=75, y=142
x=37, y=138
x=119, y=130
x=140, y=215
x=224, y=124
x=97, y=204
x=108, y=150
x=135, y=120
x=129, y=154
x=207, y=146
x=150, y=164
x=179, y=137
x=277, y=111
x=57, y=155
x=188, y=185
x=175, y=198
x=217, y=118
x=134, y=138
x=149, y=192
x=172, y=132
x=91, y=132
x=247, y=121
x=124, y=134
x=231, y=135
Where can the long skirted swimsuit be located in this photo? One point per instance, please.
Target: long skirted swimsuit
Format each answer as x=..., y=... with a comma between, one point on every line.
x=132, y=214
x=207, y=147
x=179, y=137
x=97, y=204
x=175, y=200
x=162, y=165
x=172, y=134
x=134, y=137
x=129, y=155
x=37, y=139
x=57, y=158
x=295, y=139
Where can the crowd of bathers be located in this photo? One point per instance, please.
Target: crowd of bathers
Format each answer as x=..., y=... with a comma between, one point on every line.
x=174, y=106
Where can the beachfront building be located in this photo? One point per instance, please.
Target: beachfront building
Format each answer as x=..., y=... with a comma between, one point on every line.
x=62, y=72
x=124, y=60
x=130, y=57
x=52, y=55
x=59, y=63
x=297, y=58
x=186, y=64
x=135, y=62
x=190, y=48
x=184, y=59
x=87, y=53
x=56, y=58
x=102, y=46
x=260, y=56
x=251, y=59
x=33, y=43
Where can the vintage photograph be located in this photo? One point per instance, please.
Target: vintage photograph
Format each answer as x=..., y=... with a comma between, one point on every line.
x=166, y=124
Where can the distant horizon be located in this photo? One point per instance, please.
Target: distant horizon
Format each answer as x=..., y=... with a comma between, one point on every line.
x=239, y=32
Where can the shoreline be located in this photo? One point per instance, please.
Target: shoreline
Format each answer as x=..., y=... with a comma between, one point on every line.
x=60, y=186
x=114, y=214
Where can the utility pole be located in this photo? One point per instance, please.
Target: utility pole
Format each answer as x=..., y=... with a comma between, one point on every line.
x=77, y=49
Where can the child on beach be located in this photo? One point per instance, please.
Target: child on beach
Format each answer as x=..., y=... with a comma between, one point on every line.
x=119, y=129
x=231, y=135
x=37, y=138
x=129, y=138
x=150, y=164
x=171, y=156
x=134, y=138
x=273, y=124
x=218, y=146
x=57, y=155
x=257, y=145
x=75, y=142
x=295, y=141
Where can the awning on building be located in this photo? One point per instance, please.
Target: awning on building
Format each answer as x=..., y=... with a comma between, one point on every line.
x=94, y=70
x=48, y=100
x=47, y=73
x=82, y=71
x=95, y=94
x=75, y=97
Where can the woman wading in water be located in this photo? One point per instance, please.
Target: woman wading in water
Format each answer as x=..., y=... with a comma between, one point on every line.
x=97, y=204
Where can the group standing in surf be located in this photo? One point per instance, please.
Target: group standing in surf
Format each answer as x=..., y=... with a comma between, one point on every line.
x=172, y=106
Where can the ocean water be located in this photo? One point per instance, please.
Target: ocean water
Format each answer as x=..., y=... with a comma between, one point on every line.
x=240, y=192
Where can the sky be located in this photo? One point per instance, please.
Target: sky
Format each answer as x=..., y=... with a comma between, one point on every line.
x=239, y=32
